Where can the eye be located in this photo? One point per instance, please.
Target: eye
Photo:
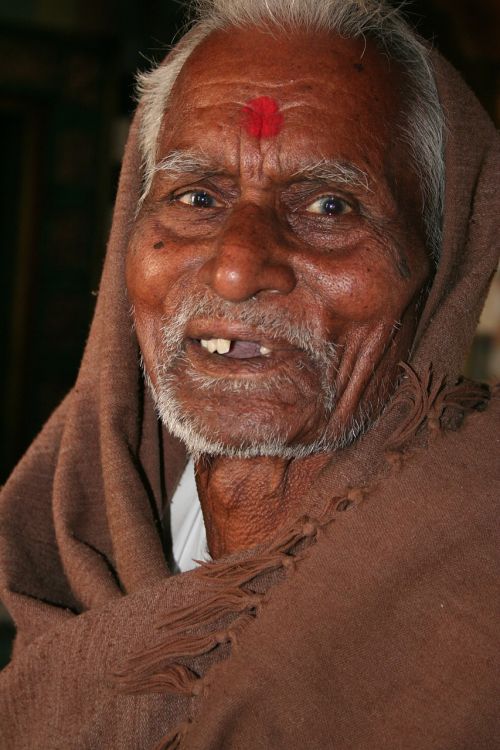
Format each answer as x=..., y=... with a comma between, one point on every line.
x=329, y=205
x=198, y=199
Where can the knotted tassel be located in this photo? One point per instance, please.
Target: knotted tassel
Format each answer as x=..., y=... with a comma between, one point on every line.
x=172, y=741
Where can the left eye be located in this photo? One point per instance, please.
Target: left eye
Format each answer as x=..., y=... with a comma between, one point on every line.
x=198, y=199
x=329, y=205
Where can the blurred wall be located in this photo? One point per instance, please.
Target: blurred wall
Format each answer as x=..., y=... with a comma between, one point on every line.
x=66, y=95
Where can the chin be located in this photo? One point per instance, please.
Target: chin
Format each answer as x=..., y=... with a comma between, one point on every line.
x=239, y=435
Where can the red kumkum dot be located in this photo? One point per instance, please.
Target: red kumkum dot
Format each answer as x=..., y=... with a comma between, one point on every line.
x=262, y=118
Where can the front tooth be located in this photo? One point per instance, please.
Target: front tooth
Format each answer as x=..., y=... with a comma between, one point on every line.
x=223, y=346
x=204, y=343
x=264, y=350
x=212, y=345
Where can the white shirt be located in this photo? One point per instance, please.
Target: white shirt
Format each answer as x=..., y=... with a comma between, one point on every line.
x=189, y=539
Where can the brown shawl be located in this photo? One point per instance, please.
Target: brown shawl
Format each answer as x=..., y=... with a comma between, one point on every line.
x=372, y=628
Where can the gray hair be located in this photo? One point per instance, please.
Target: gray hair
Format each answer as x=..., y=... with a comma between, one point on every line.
x=422, y=127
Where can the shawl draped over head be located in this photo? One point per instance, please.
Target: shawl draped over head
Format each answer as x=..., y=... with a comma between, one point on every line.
x=367, y=623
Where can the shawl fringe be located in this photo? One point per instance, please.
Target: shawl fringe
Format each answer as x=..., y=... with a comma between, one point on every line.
x=172, y=741
x=161, y=668
x=433, y=403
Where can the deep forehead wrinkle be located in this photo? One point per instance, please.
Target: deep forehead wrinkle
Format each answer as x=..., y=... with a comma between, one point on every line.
x=255, y=84
x=260, y=82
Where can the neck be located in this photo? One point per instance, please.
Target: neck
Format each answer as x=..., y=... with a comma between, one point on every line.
x=245, y=501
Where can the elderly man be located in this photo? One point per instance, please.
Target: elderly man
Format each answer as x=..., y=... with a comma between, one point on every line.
x=305, y=232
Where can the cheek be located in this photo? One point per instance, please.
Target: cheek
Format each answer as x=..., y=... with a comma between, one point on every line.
x=360, y=293
x=147, y=279
x=161, y=266
x=153, y=267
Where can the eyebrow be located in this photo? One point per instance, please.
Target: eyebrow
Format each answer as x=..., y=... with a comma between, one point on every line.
x=323, y=170
x=334, y=171
x=186, y=162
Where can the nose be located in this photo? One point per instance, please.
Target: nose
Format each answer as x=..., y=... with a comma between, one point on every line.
x=249, y=257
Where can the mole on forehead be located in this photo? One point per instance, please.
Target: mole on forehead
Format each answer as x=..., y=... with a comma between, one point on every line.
x=262, y=118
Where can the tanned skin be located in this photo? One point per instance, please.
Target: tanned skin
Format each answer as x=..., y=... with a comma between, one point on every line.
x=264, y=236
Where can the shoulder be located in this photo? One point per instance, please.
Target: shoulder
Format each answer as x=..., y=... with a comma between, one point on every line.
x=453, y=480
x=460, y=447
x=472, y=451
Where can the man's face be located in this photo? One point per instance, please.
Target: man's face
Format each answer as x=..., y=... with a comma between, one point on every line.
x=286, y=229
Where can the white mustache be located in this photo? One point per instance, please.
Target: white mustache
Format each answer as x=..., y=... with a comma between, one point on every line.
x=269, y=322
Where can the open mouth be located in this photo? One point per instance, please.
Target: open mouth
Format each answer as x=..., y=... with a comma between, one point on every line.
x=234, y=348
x=236, y=359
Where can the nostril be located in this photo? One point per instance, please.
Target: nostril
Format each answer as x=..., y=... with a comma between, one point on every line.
x=239, y=281
x=248, y=258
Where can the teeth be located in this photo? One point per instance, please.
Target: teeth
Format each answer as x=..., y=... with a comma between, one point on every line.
x=221, y=346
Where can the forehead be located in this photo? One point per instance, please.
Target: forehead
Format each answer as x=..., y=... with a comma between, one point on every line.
x=337, y=97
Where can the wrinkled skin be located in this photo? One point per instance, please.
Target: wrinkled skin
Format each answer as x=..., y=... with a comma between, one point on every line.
x=259, y=234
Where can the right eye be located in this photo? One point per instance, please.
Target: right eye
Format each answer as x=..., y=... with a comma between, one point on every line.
x=198, y=199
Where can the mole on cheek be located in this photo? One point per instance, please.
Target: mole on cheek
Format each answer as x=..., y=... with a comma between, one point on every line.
x=261, y=117
x=159, y=245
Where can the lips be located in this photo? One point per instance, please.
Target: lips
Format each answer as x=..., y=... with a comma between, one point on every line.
x=232, y=341
x=236, y=349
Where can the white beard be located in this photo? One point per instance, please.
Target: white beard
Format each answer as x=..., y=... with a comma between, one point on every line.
x=266, y=439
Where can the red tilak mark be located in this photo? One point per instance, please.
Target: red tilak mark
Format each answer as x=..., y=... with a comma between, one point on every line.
x=262, y=118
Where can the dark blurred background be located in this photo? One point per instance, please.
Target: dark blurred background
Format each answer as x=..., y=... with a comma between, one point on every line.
x=66, y=96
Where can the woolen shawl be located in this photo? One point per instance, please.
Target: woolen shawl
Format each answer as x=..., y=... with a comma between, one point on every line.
x=367, y=623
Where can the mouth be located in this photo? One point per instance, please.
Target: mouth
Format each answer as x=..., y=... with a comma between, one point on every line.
x=232, y=349
x=237, y=357
x=232, y=341
x=226, y=362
